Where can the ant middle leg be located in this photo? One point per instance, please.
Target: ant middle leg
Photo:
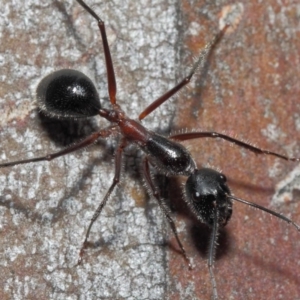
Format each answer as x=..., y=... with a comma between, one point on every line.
x=116, y=180
x=163, y=207
x=212, y=134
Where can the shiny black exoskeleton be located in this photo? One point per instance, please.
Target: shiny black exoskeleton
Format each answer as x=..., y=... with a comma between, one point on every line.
x=68, y=93
x=168, y=156
x=206, y=191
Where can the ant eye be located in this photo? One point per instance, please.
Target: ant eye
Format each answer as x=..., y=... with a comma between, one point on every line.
x=223, y=177
x=196, y=196
x=69, y=94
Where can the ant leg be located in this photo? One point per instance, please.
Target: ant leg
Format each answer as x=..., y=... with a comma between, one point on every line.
x=211, y=253
x=211, y=134
x=204, y=53
x=164, y=208
x=111, y=79
x=84, y=143
x=116, y=180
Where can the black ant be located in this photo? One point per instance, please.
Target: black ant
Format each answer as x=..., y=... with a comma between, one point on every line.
x=71, y=94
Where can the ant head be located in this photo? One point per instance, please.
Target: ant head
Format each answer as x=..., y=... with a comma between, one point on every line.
x=68, y=93
x=207, y=191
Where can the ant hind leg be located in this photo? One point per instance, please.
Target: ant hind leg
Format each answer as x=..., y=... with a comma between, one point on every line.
x=111, y=79
x=164, y=208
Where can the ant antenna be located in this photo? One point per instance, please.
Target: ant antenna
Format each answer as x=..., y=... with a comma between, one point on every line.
x=269, y=211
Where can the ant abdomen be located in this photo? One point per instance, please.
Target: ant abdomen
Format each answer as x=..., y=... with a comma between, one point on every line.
x=207, y=191
x=68, y=93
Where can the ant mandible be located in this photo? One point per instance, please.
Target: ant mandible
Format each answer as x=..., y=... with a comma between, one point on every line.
x=70, y=94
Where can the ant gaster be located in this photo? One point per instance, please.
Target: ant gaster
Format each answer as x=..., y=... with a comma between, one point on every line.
x=71, y=94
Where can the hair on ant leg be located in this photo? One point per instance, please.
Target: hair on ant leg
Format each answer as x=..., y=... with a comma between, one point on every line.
x=71, y=94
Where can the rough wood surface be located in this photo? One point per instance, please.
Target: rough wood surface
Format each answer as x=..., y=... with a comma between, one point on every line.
x=250, y=89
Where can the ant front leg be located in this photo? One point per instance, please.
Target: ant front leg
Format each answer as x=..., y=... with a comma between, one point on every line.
x=212, y=134
x=116, y=180
x=202, y=57
x=163, y=207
